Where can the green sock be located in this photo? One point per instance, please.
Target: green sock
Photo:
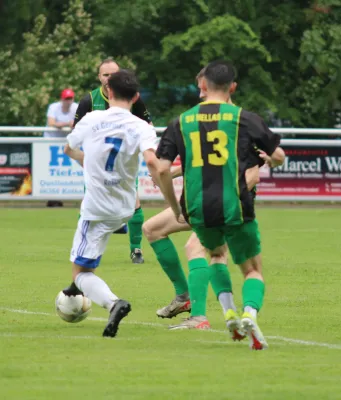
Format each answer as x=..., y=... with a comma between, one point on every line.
x=135, y=229
x=253, y=293
x=220, y=279
x=198, y=280
x=167, y=256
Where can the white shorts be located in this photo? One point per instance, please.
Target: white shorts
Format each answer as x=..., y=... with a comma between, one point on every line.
x=90, y=241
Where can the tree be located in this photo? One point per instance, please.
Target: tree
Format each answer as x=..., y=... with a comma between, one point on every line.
x=45, y=65
x=287, y=53
x=222, y=37
x=320, y=60
x=16, y=19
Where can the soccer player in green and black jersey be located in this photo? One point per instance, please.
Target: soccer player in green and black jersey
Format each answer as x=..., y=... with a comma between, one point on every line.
x=98, y=100
x=158, y=229
x=215, y=140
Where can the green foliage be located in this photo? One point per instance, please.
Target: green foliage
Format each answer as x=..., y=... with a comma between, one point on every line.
x=222, y=37
x=320, y=58
x=45, y=65
x=288, y=54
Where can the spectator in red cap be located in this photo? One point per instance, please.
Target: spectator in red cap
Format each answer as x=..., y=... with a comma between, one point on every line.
x=62, y=113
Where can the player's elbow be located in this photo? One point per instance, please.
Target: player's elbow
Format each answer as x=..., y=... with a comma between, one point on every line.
x=67, y=149
x=150, y=158
x=151, y=162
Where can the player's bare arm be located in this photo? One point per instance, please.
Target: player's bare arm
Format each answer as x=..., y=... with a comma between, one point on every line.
x=276, y=158
x=75, y=154
x=166, y=186
x=152, y=163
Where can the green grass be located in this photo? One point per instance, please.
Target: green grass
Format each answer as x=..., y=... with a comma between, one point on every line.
x=42, y=357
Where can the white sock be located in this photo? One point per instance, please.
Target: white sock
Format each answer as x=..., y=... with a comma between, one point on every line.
x=95, y=289
x=226, y=301
x=251, y=311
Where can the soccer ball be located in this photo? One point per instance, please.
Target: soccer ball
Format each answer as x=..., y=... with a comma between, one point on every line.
x=72, y=308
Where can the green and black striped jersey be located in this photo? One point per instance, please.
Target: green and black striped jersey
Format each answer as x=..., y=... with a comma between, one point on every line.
x=97, y=100
x=216, y=142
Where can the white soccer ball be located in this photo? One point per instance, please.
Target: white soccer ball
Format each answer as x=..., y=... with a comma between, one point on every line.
x=72, y=308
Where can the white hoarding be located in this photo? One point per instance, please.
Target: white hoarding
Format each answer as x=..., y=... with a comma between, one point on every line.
x=55, y=175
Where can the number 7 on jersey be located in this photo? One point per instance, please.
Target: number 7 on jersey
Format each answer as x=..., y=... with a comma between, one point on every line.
x=116, y=142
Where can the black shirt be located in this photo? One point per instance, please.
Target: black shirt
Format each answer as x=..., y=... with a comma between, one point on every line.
x=85, y=105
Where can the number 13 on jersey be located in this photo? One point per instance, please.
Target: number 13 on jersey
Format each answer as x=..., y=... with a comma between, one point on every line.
x=219, y=140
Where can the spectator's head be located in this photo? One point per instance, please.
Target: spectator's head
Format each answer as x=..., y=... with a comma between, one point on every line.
x=67, y=97
x=105, y=69
x=217, y=76
x=123, y=86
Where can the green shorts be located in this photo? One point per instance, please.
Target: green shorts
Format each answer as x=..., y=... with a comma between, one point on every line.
x=243, y=240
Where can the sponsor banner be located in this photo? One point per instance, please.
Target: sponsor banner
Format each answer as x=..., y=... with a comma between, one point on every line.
x=56, y=176
x=15, y=170
x=40, y=170
x=308, y=172
x=146, y=188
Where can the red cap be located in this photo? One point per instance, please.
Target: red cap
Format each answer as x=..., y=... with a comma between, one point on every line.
x=67, y=94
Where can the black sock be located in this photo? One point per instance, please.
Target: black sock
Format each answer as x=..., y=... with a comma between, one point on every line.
x=72, y=290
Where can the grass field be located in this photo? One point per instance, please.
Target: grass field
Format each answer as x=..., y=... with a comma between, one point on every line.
x=42, y=357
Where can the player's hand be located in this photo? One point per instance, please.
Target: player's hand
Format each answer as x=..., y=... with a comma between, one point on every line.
x=181, y=219
x=252, y=177
x=265, y=157
x=178, y=214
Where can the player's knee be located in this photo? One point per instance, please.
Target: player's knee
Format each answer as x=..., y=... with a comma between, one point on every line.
x=77, y=269
x=194, y=249
x=252, y=268
x=146, y=230
x=220, y=259
x=150, y=232
x=219, y=255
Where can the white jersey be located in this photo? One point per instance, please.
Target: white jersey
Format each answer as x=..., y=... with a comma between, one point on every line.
x=111, y=141
x=55, y=111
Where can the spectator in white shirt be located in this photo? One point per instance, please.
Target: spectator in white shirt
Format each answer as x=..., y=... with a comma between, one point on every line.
x=61, y=114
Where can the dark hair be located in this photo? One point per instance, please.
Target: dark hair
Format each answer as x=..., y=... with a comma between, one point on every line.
x=220, y=74
x=124, y=84
x=107, y=61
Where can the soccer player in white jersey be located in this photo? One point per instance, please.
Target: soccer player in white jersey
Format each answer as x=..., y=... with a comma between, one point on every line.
x=111, y=142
